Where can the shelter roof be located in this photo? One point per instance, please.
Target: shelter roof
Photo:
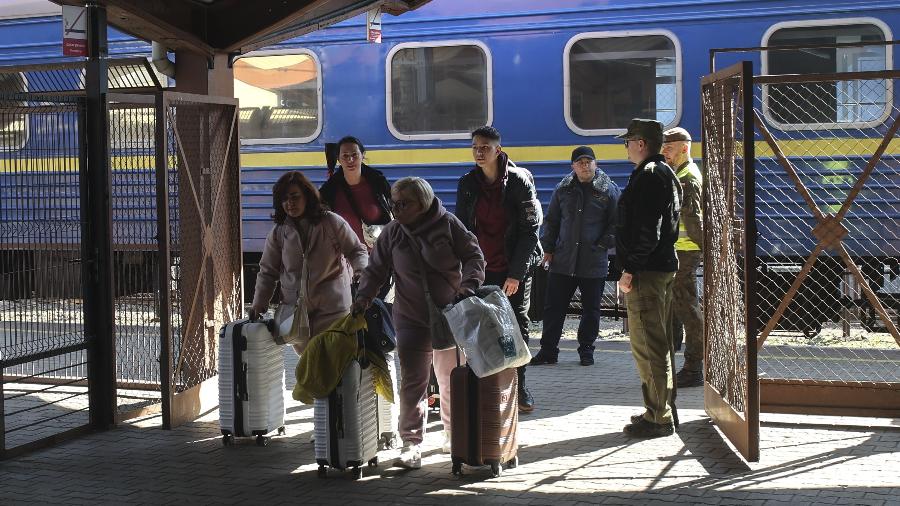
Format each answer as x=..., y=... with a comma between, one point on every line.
x=233, y=26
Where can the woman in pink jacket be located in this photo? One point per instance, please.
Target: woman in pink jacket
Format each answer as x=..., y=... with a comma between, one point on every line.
x=305, y=233
x=454, y=267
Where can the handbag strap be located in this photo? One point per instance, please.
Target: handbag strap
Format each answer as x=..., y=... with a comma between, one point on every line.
x=414, y=245
x=304, y=270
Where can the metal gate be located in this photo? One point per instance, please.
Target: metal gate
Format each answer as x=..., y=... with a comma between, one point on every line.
x=174, y=180
x=828, y=190
x=731, y=395
x=204, y=224
x=802, y=200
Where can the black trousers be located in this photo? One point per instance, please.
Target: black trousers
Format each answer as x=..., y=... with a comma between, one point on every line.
x=520, y=302
x=560, y=289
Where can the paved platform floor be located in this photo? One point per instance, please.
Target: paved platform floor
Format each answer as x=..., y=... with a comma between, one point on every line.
x=572, y=452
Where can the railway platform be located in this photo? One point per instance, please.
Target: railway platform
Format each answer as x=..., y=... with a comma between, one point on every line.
x=572, y=452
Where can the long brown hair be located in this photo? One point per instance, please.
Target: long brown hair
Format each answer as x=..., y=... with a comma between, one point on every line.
x=314, y=210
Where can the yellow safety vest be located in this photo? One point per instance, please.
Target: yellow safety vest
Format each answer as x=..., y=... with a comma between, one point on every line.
x=684, y=243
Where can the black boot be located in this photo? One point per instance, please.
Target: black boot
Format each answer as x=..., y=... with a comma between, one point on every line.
x=526, y=400
x=686, y=378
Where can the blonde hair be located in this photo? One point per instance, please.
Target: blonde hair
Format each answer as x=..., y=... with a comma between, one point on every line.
x=417, y=188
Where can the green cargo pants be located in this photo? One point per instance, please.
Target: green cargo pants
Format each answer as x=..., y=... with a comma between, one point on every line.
x=686, y=308
x=649, y=305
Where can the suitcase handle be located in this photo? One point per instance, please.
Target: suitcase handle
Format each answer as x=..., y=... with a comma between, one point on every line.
x=242, y=385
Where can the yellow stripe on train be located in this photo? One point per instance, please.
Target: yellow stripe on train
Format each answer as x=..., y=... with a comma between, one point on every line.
x=605, y=152
x=387, y=157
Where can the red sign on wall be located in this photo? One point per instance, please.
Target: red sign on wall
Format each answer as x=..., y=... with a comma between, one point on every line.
x=373, y=25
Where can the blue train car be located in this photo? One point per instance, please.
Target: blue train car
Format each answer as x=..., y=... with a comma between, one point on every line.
x=550, y=75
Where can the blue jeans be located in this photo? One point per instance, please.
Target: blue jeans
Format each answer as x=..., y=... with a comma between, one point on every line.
x=560, y=289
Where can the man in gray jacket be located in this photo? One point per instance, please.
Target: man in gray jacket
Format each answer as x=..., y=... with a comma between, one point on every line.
x=578, y=229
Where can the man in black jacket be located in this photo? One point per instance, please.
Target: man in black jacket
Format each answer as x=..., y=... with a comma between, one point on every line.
x=498, y=202
x=578, y=229
x=646, y=231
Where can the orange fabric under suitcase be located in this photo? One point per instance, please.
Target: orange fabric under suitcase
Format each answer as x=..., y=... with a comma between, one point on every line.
x=484, y=419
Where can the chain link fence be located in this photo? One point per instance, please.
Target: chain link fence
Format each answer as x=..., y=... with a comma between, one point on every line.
x=42, y=342
x=135, y=252
x=726, y=363
x=174, y=176
x=809, y=278
x=828, y=197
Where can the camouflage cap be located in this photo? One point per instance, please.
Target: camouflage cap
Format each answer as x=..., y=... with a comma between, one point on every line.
x=676, y=134
x=648, y=129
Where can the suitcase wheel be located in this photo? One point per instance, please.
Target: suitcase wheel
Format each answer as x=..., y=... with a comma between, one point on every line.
x=262, y=441
x=457, y=468
x=388, y=441
x=227, y=440
x=281, y=431
x=496, y=470
x=322, y=472
x=357, y=473
x=373, y=462
x=513, y=463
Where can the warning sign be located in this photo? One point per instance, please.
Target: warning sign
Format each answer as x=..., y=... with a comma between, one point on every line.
x=373, y=25
x=74, y=30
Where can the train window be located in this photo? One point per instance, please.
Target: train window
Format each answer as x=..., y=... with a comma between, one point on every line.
x=13, y=125
x=829, y=104
x=280, y=97
x=438, y=90
x=612, y=77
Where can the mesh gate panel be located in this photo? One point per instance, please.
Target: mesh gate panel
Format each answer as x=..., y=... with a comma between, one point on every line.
x=725, y=319
x=205, y=232
x=42, y=341
x=135, y=244
x=829, y=228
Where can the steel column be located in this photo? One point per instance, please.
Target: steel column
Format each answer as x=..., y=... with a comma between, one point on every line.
x=96, y=220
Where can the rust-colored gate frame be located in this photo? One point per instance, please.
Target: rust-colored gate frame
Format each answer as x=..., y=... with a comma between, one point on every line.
x=741, y=427
x=828, y=397
x=183, y=406
x=807, y=396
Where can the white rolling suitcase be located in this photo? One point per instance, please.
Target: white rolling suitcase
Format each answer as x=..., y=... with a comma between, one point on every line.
x=346, y=423
x=251, y=381
x=388, y=418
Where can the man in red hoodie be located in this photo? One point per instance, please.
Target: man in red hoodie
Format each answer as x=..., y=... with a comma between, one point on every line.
x=498, y=202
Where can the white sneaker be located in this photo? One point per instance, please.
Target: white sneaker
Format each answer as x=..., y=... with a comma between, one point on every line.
x=446, y=446
x=410, y=456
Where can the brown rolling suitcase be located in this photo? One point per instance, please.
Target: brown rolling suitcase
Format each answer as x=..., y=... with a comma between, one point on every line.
x=484, y=420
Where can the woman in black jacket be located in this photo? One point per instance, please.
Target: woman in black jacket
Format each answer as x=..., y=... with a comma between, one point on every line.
x=357, y=192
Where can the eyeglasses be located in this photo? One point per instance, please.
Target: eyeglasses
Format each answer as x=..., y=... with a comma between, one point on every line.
x=401, y=205
x=630, y=140
x=350, y=156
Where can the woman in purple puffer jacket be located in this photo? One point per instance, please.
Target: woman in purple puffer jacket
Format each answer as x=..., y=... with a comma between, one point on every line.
x=454, y=268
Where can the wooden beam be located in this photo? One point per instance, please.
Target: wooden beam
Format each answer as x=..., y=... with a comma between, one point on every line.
x=241, y=26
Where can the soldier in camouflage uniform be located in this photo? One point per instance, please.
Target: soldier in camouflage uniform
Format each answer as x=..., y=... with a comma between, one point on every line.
x=685, y=304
